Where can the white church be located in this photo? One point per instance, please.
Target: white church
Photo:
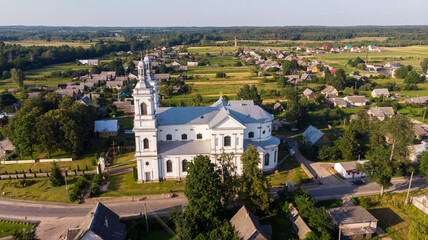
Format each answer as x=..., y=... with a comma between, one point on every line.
x=168, y=138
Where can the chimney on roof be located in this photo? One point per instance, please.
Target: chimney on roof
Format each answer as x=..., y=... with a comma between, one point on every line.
x=106, y=222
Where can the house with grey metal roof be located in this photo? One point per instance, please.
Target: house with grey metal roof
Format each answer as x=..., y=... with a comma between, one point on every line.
x=248, y=227
x=314, y=136
x=380, y=92
x=354, y=222
x=381, y=113
x=167, y=138
x=106, y=128
x=101, y=223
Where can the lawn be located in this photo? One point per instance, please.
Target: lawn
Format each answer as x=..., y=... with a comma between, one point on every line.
x=40, y=190
x=11, y=168
x=124, y=157
x=288, y=171
x=125, y=185
x=8, y=228
x=136, y=229
x=394, y=217
x=281, y=226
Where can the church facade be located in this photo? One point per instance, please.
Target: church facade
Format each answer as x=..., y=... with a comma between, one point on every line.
x=168, y=138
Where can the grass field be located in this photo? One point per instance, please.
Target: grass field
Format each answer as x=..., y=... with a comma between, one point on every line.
x=40, y=190
x=125, y=185
x=288, y=171
x=8, y=228
x=394, y=217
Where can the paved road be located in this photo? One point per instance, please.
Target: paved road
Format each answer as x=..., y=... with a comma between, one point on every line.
x=56, y=218
x=324, y=192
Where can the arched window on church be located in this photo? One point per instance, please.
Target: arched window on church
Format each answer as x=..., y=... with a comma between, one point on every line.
x=183, y=136
x=168, y=137
x=146, y=143
x=227, y=141
x=169, y=166
x=251, y=135
x=267, y=156
x=143, y=109
x=275, y=157
x=184, y=165
x=199, y=136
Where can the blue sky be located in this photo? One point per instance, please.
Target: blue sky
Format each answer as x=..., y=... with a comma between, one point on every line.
x=161, y=13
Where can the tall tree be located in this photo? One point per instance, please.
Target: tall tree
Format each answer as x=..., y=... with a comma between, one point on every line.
x=55, y=177
x=227, y=171
x=203, y=188
x=254, y=186
x=361, y=124
x=400, y=130
x=18, y=77
x=23, y=135
x=48, y=131
x=349, y=145
x=379, y=169
x=424, y=65
x=423, y=167
x=248, y=93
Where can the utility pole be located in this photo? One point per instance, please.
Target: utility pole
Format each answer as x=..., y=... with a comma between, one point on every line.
x=66, y=185
x=145, y=214
x=339, y=231
x=425, y=111
x=408, y=190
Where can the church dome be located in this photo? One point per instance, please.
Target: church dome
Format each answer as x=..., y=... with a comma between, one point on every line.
x=147, y=60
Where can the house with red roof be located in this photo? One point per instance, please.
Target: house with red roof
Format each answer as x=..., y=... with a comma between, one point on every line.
x=355, y=49
x=324, y=47
x=335, y=49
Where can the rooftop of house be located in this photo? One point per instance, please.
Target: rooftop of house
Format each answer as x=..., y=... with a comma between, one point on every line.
x=382, y=111
x=350, y=215
x=312, y=134
x=246, y=224
x=356, y=99
x=348, y=166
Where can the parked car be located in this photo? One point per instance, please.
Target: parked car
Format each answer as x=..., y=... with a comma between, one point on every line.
x=358, y=182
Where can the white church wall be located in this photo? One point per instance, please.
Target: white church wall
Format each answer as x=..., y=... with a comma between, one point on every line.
x=262, y=131
x=177, y=130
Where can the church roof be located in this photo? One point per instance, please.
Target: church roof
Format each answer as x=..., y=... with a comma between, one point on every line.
x=210, y=115
x=219, y=103
x=261, y=145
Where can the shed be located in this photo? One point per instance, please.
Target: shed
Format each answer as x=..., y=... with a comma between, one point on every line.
x=314, y=136
x=355, y=222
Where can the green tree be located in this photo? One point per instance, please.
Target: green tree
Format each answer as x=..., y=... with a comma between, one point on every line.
x=18, y=77
x=197, y=100
x=220, y=75
x=400, y=130
x=379, y=169
x=254, y=186
x=327, y=153
x=339, y=80
x=166, y=90
x=361, y=124
x=423, y=167
x=23, y=137
x=227, y=171
x=424, y=65
x=401, y=72
x=55, y=177
x=48, y=131
x=349, y=145
x=203, y=188
x=412, y=78
x=25, y=235
x=248, y=93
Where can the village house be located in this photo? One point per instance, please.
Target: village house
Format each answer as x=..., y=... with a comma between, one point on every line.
x=310, y=50
x=380, y=92
x=381, y=113
x=417, y=100
x=355, y=49
x=73, y=93
x=101, y=223
x=309, y=93
x=338, y=102
x=416, y=150
x=335, y=49
x=248, y=227
x=192, y=64
x=88, y=62
x=356, y=101
x=182, y=68
x=33, y=95
x=305, y=77
x=314, y=136
x=300, y=48
x=392, y=64
x=330, y=91
x=277, y=107
x=348, y=47
x=373, y=48
x=106, y=128
x=419, y=131
x=114, y=84
x=85, y=101
x=298, y=224
x=354, y=222
x=349, y=169
x=162, y=76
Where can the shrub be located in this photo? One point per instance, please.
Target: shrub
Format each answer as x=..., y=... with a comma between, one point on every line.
x=98, y=179
x=220, y=75
x=56, y=178
x=95, y=189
